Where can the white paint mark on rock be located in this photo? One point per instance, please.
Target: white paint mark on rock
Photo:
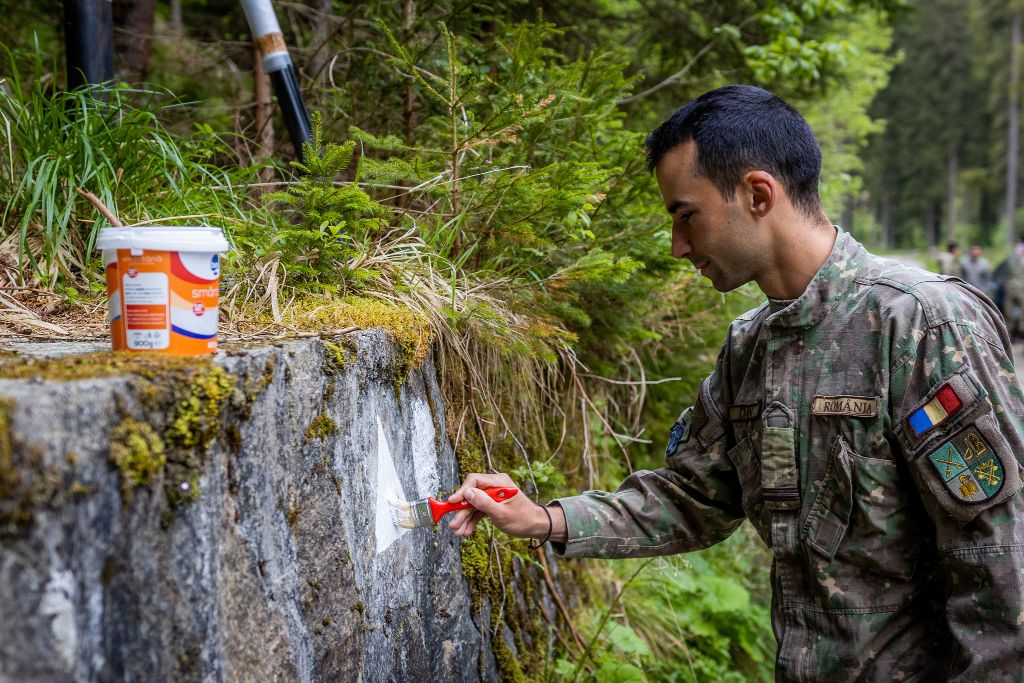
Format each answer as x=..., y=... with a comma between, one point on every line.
x=389, y=486
x=424, y=454
x=57, y=603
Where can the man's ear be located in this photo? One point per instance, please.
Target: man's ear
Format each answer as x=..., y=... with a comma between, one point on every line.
x=762, y=192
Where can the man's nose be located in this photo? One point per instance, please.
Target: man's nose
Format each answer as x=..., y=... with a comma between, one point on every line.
x=680, y=245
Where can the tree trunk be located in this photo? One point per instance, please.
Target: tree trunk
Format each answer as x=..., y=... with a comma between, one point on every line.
x=322, y=33
x=1013, y=125
x=930, y=221
x=951, y=191
x=177, y=26
x=847, y=214
x=887, y=227
x=133, y=37
x=409, y=113
x=264, y=118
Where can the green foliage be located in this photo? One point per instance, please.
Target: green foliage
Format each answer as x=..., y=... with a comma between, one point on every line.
x=326, y=224
x=704, y=617
x=492, y=184
x=109, y=141
x=952, y=76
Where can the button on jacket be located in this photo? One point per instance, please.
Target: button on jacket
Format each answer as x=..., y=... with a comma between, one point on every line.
x=872, y=431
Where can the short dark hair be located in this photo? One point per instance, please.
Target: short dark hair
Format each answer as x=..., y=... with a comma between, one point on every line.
x=740, y=128
x=952, y=245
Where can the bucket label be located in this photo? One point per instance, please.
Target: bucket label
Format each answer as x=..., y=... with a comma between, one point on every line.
x=145, y=303
x=163, y=301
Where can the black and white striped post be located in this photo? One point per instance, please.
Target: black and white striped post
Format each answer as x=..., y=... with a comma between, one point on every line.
x=278, y=65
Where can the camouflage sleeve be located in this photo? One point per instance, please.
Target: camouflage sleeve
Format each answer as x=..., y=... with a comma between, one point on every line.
x=957, y=409
x=691, y=503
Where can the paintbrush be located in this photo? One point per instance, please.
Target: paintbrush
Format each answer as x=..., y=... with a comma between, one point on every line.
x=427, y=511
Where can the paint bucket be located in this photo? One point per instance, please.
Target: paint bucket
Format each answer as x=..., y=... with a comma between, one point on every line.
x=162, y=287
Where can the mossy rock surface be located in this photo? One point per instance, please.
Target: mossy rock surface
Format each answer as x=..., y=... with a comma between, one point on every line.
x=267, y=562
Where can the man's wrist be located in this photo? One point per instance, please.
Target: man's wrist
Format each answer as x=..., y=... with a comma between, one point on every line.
x=543, y=523
x=559, y=528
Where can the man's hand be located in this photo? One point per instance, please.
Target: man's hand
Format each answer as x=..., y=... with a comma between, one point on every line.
x=517, y=516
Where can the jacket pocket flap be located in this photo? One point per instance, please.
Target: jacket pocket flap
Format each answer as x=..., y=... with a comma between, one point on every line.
x=829, y=516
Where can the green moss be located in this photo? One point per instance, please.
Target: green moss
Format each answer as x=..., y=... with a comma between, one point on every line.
x=508, y=665
x=183, y=487
x=410, y=331
x=474, y=557
x=183, y=397
x=197, y=409
x=335, y=357
x=138, y=452
x=489, y=582
x=321, y=427
x=93, y=365
x=470, y=457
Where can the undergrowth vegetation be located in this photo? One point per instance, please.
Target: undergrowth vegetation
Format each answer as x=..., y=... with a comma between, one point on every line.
x=475, y=186
x=109, y=141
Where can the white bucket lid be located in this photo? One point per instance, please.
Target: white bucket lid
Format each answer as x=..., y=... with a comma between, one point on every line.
x=163, y=238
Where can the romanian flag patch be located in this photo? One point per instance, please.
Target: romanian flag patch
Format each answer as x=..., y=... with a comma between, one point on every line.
x=934, y=412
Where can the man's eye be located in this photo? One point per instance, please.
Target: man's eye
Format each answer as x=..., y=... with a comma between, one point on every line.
x=685, y=217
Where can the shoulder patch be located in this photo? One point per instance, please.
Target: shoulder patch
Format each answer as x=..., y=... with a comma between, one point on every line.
x=680, y=432
x=934, y=412
x=968, y=465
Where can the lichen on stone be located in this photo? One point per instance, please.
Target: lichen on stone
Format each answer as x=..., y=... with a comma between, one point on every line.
x=334, y=355
x=197, y=407
x=321, y=427
x=138, y=452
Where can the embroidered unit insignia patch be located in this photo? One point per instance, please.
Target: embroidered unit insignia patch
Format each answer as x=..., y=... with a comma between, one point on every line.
x=968, y=465
x=934, y=412
x=680, y=432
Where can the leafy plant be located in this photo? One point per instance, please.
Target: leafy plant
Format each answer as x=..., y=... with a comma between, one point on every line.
x=327, y=223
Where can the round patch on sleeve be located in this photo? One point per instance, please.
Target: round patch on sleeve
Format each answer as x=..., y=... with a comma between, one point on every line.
x=969, y=467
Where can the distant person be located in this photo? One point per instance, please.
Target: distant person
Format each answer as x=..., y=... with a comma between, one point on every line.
x=949, y=261
x=1013, y=290
x=977, y=271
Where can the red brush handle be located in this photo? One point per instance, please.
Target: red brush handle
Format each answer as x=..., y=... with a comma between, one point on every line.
x=498, y=494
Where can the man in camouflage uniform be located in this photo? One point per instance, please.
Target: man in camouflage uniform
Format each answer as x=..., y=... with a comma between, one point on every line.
x=866, y=419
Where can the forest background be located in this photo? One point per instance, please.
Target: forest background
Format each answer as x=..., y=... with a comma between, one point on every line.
x=477, y=186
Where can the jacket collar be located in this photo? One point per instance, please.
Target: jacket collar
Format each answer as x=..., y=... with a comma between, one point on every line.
x=828, y=286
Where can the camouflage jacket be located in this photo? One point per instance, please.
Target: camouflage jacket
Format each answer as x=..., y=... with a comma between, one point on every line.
x=871, y=430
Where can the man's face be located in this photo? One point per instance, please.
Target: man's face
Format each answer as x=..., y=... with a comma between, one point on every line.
x=718, y=237
x=975, y=252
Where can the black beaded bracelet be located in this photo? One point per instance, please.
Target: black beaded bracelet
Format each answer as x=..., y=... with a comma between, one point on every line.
x=551, y=527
